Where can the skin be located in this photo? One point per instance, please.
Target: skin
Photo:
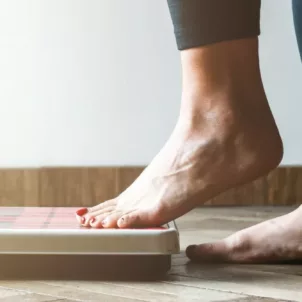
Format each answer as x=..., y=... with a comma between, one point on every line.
x=275, y=240
x=225, y=136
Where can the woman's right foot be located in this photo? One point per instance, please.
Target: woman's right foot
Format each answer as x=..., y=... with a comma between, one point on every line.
x=225, y=136
x=275, y=240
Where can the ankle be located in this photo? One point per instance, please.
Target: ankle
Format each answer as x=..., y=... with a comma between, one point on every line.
x=221, y=65
x=224, y=100
x=222, y=77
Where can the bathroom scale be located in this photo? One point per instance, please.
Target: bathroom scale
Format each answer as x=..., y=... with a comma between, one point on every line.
x=48, y=242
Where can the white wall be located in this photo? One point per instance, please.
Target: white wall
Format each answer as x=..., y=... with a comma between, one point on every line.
x=97, y=82
x=282, y=74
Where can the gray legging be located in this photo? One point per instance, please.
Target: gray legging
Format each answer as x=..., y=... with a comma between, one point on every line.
x=297, y=12
x=203, y=22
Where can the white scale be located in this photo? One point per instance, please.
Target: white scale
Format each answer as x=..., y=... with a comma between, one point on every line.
x=49, y=242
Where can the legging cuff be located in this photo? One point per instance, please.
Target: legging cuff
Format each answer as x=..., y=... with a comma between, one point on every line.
x=202, y=22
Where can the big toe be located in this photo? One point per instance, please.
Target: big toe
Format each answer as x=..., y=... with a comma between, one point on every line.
x=237, y=248
x=209, y=252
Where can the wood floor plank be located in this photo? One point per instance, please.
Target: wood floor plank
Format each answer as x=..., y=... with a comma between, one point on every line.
x=67, y=300
x=109, y=288
x=237, y=213
x=30, y=297
x=184, y=293
x=236, y=280
x=5, y=293
x=226, y=223
x=257, y=299
x=182, y=260
x=57, y=291
x=294, y=269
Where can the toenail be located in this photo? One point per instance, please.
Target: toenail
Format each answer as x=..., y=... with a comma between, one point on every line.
x=191, y=251
x=83, y=220
x=104, y=222
x=121, y=221
x=81, y=211
x=92, y=220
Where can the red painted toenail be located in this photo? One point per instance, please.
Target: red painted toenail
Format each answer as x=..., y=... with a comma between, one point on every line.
x=82, y=211
x=92, y=220
x=82, y=219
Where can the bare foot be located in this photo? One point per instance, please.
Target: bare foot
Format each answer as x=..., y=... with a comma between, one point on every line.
x=225, y=136
x=278, y=239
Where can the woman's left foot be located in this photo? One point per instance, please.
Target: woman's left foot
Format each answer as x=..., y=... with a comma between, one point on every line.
x=275, y=240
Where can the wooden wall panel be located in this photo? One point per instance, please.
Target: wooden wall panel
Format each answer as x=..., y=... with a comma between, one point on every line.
x=89, y=186
x=76, y=186
x=282, y=186
x=125, y=177
x=19, y=187
x=31, y=187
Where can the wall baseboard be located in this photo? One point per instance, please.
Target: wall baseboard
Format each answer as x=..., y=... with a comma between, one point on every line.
x=81, y=186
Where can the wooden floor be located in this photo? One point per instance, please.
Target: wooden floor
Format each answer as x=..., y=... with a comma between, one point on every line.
x=185, y=282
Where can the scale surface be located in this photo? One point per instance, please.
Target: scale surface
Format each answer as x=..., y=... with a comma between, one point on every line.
x=48, y=242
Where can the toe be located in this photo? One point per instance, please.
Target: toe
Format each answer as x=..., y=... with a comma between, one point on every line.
x=85, y=220
x=216, y=252
x=110, y=221
x=97, y=221
x=80, y=219
x=81, y=211
x=236, y=248
x=95, y=217
x=136, y=219
x=105, y=207
x=99, y=207
x=128, y=220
